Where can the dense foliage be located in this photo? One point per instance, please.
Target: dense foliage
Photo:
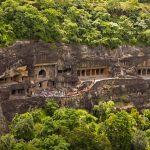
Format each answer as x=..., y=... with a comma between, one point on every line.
x=92, y=22
x=54, y=128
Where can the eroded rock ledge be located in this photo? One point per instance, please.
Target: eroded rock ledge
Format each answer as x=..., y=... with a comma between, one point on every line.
x=75, y=75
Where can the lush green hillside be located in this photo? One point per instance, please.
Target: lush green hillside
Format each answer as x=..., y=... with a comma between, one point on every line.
x=54, y=128
x=107, y=22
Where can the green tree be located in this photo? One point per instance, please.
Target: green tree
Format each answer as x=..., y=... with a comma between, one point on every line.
x=7, y=142
x=35, y=144
x=141, y=122
x=103, y=110
x=68, y=128
x=83, y=138
x=145, y=36
x=38, y=115
x=20, y=146
x=139, y=140
x=7, y=36
x=22, y=127
x=119, y=130
x=49, y=126
x=51, y=106
x=54, y=142
x=72, y=118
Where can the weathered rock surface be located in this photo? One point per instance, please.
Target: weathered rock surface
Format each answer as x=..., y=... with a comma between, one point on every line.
x=32, y=52
x=123, y=86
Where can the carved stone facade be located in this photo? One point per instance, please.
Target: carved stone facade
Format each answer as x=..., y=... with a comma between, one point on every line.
x=144, y=69
x=37, y=66
x=75, y=75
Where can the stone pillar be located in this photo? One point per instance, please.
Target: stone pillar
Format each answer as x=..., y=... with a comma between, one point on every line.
x=93, y=72
x=146, y=72
x=90, y=72
x=55, y=70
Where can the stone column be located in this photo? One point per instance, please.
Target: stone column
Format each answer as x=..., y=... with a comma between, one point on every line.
x=55, y=70
x=90, y=72
x=93, y=72
x=146, y=72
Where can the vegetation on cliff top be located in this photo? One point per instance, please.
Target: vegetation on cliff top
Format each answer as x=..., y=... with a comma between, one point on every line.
x=54, y=128
x=92, y=22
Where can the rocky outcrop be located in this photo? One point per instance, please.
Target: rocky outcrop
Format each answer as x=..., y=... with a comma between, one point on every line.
x=123, y=86
x=3, y=122
x=11, y=107
x=33, y=52
x=128, y=92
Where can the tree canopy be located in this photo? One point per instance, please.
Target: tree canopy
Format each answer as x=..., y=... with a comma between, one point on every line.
x=106, y=22
x=77, y=129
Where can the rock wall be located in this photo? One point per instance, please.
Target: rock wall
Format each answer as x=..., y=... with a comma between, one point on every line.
x=3, y=122
x=11, y=107
x=129, y=92
x=33, y=52
x=126, y=93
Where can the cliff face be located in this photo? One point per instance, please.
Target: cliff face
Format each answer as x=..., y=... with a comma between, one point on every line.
x=126, y=93
x=122, y=63
x=3, y=122
x=33, y=52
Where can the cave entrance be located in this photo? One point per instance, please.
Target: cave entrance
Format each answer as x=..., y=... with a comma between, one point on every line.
x=148, y=71
x=42, y=73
